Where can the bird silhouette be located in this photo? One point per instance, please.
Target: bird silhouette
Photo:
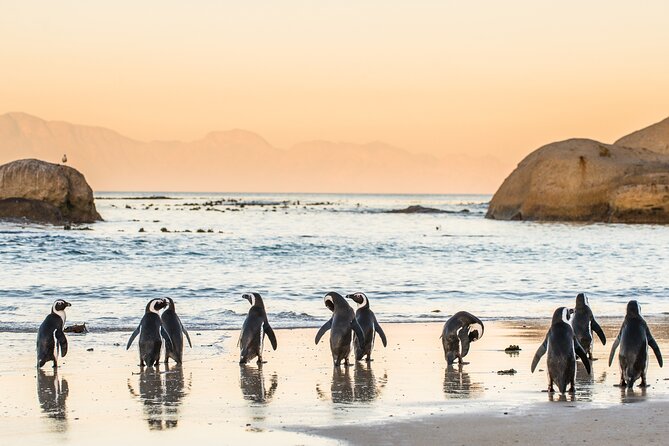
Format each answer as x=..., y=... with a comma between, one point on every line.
x=64, y=160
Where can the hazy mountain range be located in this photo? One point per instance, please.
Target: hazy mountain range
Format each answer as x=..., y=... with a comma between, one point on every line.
x=239, y=160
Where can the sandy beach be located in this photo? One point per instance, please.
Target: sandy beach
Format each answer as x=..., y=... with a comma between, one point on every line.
x=406, y=395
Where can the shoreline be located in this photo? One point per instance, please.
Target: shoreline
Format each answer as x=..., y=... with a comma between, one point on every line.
x=297, y=397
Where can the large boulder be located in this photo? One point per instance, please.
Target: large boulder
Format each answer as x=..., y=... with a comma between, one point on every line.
x=51, y=193
x=585, y=180
x=654, y=137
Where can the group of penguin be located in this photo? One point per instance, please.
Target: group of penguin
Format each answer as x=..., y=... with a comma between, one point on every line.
x=569, y=336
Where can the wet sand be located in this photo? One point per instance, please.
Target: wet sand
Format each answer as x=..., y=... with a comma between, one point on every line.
x=406, y=395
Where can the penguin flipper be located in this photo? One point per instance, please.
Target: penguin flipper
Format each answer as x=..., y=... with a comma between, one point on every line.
x=597, y=329
x=540, y=352
x=359, y=334
x=653, y=345
x=379, y=330
x=167, y=338
x=62, y=342
x=323, y=329
x=270, y=334
x=613, y=348
x=132, y=337
x=183, y=329
x=582, y=354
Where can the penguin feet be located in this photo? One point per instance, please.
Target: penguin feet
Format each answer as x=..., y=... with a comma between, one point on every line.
x=550, y=388
x=572, y=389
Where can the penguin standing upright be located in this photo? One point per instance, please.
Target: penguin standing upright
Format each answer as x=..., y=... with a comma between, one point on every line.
x=342, y=322
x=151, y=333
x=175, y=329
x=51, y=331
x=562, y=347
x=369, y=325
x=459, y=331
x=256, y=326
x=634, y=338
x=583, y=322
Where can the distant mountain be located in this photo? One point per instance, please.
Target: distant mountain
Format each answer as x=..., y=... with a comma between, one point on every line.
x=239, y=160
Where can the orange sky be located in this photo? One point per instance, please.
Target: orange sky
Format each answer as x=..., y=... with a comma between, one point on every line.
x=440, y=77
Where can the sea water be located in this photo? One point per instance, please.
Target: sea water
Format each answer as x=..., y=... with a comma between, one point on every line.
x=206, y=249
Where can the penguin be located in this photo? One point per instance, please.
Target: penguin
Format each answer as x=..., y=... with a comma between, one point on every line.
x=562, y=347
x=255, y=327
x=369, y=325
x=342, y=322
x=51, y=331
x=459, y=331
x=634, y=338
x=583, y=322
x=150, y=331
x=175, y=329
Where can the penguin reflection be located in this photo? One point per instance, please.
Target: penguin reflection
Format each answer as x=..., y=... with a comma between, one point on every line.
x=366, y=388
x=342, y=387
x=252, y=384
x=458, y=384
x=584, y=381
x=52, y=393
x=161, y=398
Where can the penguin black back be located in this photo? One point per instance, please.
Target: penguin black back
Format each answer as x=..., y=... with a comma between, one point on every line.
x=255, y=327
x=50, y=331
x=341, y=323
x=460, y=330
x=583, y=322
x=176, y=331
x=634, y=338
x=562, y=347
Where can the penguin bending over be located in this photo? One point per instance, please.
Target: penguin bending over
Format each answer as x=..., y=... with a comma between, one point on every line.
x=369, y=325
x=562, y=347
x=341, y=323
x=151, y=333
x=459, y=331
x=255, y=327
x=51, y=331
x=634, y=338
x=176, y=331
x=583, y=322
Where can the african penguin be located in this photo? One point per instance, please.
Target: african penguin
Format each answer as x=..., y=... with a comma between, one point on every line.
x=51, y=331
x=255, y=327
x=459, y=331
x=342, y=322
x=369, y=325
x=634, y=338
x=562, y=347
x=583, y=322
x=175, y=329
x=151, y=333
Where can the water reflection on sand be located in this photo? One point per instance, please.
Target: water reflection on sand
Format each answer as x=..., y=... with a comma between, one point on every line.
x=458, y=384
x=52, y=392
x=252, y=384
x=364, y=387
x=161, y=394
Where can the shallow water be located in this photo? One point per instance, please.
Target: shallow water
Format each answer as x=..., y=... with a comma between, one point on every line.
x=293, y=248
x=100, y=393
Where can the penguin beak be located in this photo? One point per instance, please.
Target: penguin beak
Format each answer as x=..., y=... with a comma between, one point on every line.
x=354, y=298
x=247, y=297
x=67, y=304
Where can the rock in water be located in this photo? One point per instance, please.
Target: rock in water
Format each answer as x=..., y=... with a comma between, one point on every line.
x=44, y=192
x=585, y=180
